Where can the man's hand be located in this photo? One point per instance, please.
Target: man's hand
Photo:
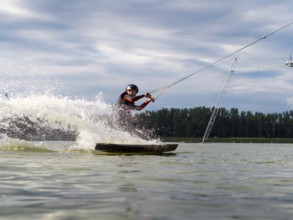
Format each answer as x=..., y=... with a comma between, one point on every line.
x=148, y=95
x=150, y=99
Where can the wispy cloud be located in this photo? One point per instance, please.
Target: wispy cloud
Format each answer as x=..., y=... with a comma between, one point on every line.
x=92, y=46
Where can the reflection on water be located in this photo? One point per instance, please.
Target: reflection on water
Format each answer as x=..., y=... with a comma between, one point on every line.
x=210, y=181
x=128, y=187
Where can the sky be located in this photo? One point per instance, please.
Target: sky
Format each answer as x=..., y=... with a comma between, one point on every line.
x=79, y=48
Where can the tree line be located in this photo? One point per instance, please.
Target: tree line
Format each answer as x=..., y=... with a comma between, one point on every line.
x=192, y=122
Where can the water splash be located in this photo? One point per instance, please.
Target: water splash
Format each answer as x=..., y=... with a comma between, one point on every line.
x=47, y=116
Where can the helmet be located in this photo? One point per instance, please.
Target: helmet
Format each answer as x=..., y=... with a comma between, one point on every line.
x=131, y=86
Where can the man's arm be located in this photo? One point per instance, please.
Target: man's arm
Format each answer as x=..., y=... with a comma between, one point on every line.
x=130, y=99
x=142, y=106
x=137, y=97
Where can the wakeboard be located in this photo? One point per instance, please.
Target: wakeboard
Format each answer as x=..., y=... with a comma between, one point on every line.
x=135, y=148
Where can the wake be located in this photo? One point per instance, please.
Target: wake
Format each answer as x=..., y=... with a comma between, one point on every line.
x=55, y=118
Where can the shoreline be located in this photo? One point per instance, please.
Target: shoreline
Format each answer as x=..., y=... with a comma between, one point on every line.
x=228, y=140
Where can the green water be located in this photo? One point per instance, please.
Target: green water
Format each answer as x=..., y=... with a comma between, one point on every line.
x=210, y=181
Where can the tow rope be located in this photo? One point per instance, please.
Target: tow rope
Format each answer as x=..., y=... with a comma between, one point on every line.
x=163, y=89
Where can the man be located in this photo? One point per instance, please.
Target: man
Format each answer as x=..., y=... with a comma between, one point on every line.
x=126, y=103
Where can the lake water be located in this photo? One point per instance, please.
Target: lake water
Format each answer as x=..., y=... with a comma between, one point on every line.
x=51, y=180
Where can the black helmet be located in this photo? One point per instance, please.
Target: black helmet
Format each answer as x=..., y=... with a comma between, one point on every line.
x=131, y=86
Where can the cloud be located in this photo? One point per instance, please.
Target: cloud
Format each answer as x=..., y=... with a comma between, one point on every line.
x=92, y=46
x=289, y=101
x=16, y=9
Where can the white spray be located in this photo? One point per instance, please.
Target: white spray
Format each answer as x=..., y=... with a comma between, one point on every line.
x=87, y=118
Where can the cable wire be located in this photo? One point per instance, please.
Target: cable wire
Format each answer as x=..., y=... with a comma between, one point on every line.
x=225, y=57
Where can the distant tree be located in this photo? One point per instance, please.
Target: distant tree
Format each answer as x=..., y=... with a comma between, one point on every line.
x=192, y=122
